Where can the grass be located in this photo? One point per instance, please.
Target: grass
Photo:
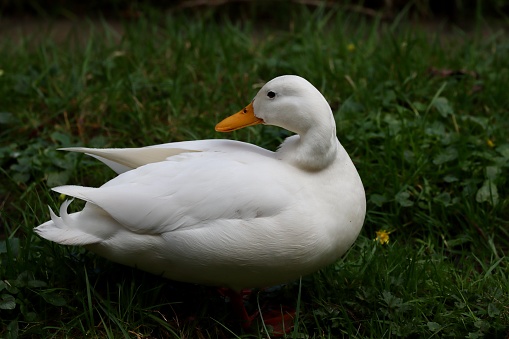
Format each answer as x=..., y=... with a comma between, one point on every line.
x=424, y=115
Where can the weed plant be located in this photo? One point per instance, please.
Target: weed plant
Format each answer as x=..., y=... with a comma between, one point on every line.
x=423, y=113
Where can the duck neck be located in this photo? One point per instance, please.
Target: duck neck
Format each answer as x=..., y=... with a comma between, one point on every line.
x=313, y=150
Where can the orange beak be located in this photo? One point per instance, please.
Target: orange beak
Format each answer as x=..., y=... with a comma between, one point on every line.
x=239, y=120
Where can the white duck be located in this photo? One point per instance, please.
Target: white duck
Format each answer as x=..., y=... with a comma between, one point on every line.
x=223, y=212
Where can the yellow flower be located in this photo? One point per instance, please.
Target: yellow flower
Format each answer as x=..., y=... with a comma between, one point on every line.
x=382, y=236
x=350, y=47
x=490, y=143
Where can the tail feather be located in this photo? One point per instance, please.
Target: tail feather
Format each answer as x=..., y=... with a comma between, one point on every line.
x=73, y=191
x=61, y=230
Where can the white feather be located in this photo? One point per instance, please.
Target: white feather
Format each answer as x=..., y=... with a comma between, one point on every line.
x=224, y=212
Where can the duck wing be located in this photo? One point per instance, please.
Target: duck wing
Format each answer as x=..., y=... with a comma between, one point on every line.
x=122, y=160
x=193, y=190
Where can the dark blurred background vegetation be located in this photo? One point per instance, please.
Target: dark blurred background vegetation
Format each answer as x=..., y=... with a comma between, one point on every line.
x=454, y=10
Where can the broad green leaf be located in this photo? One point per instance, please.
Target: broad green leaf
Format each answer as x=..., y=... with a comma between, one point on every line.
x=487, y=193
x=493, y=310
x=389, y=98
x=403, y=198
x=443, y=107
x=419, y=106
x=13, y=244
x=36, y=283
x=444, y=198
x=21, y=177
x=53, y=298
x=433, y=326
x=458, y=241
x=57, y=178
x=350, y=106
x=30, y=316
x=12, y=330
x=391, y=300
x=62, y=138
x=11, y=287
x=5, y=117
x=503, y=150
x=378, y=199
x=492, y=172
x=448, y=154
x=7, y=302
x=450, y=178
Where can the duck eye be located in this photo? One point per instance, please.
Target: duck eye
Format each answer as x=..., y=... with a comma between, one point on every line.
x=271, y=94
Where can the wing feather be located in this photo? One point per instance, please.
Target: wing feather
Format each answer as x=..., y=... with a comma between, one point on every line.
x=191, y=190
x=123, y=159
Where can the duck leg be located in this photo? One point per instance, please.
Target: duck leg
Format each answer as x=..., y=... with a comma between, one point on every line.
x=281, y=320
x=237, y=302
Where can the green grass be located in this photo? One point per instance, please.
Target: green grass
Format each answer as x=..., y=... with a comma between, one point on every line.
x=432, y=151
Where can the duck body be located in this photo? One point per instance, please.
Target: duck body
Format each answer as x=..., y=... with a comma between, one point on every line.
x=223, y=212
